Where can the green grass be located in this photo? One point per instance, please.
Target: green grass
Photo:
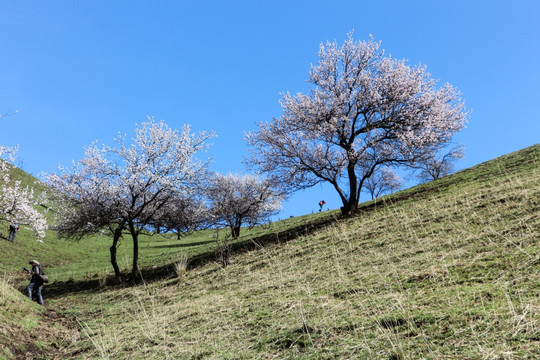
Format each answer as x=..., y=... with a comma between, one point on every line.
x=445, y=270
x=64, y=259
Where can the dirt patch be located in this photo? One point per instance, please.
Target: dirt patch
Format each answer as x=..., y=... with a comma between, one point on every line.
x=53, y=338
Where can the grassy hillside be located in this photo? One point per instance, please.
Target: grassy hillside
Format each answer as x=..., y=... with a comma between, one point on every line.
x=445, y=270
x=66, y=259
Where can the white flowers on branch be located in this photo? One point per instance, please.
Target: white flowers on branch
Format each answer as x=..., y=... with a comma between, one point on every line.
x=129, y=186
x=18, y=203
x=364, y=111
x=238, y=200
x=187, y=212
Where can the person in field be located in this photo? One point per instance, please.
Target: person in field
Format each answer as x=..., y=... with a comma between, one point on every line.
x=13, y=228
x=36, y=281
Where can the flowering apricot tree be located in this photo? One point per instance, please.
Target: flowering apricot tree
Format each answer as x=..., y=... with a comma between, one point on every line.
x=185, y=213
x=365, y=110
x=437, y=165
x=126, y=187
x=19, y=203
x=237, y=200
x=383, y=181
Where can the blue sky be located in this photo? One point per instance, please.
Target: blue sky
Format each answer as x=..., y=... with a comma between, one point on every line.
x=79, y=71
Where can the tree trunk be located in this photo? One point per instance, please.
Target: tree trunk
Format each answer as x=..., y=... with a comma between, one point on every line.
x=235, y=226
x=135, y=273
x=351, y=205
x=114, y=263
x=235, y=231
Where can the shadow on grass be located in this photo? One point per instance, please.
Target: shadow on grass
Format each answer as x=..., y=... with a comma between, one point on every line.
x=61, y=288
x=180, y=245
x=479, y=175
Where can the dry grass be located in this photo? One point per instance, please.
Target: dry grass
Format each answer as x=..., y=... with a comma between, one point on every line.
x=452, y=274
x=448, y=270
x=181, y=265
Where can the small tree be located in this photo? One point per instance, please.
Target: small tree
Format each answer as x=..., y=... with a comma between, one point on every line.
x=185, y=214
x=383, y=181
x=127, y=186
x=237, y=200
x=18, y=203
x=435, y=166
x=365, y=111
x=242, y=200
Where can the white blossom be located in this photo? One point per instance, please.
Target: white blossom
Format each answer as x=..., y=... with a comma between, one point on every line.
x=436, y=165
x=382, y=181
x=19, y=203
x=238, y=200
x=364, y=110
x=127, y=186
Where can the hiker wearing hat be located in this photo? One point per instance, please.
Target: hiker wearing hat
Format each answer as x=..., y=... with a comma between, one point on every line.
x=36, y=281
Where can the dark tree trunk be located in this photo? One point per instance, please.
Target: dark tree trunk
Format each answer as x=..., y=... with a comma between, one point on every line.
x=235, y=231
x=113, y=247
x=235, y=226
x=135, y=273
x=352, y=204
x=349, y=207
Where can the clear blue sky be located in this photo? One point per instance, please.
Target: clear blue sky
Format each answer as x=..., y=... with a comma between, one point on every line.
x=79, y=71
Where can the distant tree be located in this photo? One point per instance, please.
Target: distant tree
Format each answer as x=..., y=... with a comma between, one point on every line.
x=383, y=181
x=125, y=187
x=19, y=203
x=434, y=165
x=365, y=111
x=185, y=214
x=237, y=200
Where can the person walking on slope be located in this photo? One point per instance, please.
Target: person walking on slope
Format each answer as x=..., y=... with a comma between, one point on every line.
x=36, y=282
x=13, y=228
x=321, y=204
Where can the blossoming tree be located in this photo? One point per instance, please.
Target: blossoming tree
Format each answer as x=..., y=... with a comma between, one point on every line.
x=125, y=187
x=435, y=166
x=186, y=213
x=364, y=111
x=237, y=200
x=383, y=181
x=19, y=203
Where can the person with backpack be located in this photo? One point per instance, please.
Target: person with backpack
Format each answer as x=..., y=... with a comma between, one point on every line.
x=13, y=228
x=36, y=281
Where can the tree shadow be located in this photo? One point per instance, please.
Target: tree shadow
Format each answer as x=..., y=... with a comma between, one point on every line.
x=180, y=245
x=151, y=274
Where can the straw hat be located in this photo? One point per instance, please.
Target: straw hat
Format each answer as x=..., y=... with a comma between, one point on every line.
x=34, y=262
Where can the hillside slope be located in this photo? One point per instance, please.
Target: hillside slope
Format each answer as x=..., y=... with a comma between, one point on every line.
x=449, y=269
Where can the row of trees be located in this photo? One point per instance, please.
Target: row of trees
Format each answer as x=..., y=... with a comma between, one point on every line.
x=365, y=114
x=157, y=183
